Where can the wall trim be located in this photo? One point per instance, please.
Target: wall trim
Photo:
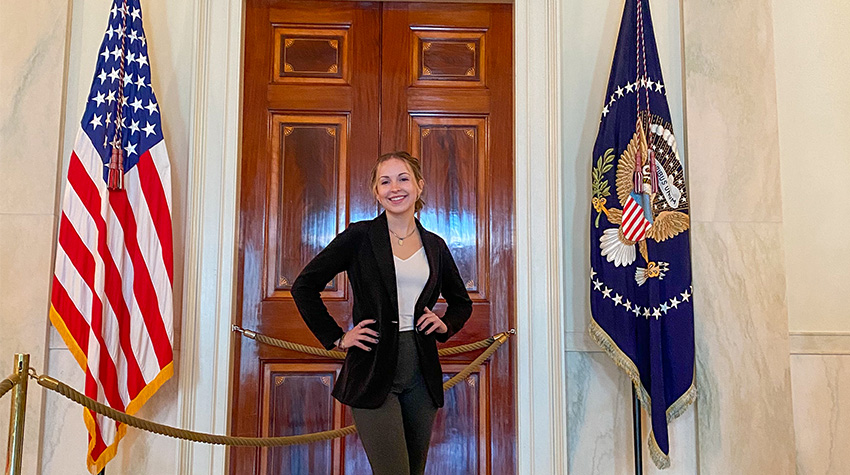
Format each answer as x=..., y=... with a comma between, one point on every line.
x=801, y=343
x=580, y=342
x=541, y=371
x=211, y=238
x=819, y=343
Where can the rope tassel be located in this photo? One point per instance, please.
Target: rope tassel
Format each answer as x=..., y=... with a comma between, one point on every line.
x=116, y=170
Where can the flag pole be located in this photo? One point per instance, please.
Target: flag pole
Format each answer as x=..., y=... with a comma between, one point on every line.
x=636, y=430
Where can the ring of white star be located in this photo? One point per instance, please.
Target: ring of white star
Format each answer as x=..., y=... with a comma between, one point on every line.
x=645, y=312
x=631, y=88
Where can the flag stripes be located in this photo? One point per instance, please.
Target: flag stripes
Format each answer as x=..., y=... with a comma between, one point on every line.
x=635, y=223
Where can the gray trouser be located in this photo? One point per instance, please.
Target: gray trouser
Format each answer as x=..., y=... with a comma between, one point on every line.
x=397, y=434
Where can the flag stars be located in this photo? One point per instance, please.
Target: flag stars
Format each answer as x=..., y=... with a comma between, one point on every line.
x=630, y=87
x=628, y=305
x=99, y=98
x=605, y=111
x=133, y=36
x=142, y=59
x=110, y=97
x=592, y=273
x=636, y=311
x=664, y=308
x=685, y=296
x=123, y=101
x=102, y=76
x=597, y=284
x=128, y=79
x=114, y=75
x=619, y=92
x=134, y=12
x=656, y=313
x=95, y=122
x=646, y=313
x=136, y=105
x=131, y=149
x=606, y=293
x=140, y=82
x=134, y=126
x=149, y=129
x=115, y=53
x=151, y=107
x=105, y=53
x=618, y=299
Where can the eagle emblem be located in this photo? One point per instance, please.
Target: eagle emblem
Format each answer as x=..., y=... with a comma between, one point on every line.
x=651, y=193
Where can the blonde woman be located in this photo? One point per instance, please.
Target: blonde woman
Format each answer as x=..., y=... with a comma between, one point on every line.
x=391, y=376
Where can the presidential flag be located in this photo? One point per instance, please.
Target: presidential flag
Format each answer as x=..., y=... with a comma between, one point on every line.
x=640, y=293
x=112, y=288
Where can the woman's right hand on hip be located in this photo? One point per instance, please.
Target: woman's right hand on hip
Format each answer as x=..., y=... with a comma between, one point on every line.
x=360, y=336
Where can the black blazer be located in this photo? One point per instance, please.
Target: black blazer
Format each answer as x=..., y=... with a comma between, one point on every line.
x=364, y=251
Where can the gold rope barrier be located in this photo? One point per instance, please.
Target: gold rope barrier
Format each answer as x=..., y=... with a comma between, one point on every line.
x=162, y=429
x=339, y=355
x=7, y=384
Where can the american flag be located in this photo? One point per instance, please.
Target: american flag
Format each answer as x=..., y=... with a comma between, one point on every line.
x=112, y=288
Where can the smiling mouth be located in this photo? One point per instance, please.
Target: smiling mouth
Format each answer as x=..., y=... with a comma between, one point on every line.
x=396, y=199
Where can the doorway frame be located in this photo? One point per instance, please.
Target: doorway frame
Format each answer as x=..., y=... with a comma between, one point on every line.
x=211, y=240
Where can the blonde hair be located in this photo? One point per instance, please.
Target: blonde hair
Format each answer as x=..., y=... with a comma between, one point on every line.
x=412, y=162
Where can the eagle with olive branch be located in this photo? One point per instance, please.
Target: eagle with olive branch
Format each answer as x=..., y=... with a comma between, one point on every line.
x=614, y=244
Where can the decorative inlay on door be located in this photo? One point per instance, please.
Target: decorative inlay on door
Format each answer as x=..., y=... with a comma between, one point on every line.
x=315, y=54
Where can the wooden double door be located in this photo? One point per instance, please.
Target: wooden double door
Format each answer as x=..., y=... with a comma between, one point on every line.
x=329, y=86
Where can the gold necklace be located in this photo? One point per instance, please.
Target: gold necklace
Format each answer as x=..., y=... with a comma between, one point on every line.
x=401, y=239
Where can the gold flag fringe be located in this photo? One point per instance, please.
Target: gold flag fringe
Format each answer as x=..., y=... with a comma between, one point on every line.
x=625, y=363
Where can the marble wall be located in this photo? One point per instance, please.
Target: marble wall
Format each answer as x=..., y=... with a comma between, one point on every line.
x=32, y=65
x=813, y=100
x=46, y=68
x=820, y=382
x=745, y=413
x=811, y=87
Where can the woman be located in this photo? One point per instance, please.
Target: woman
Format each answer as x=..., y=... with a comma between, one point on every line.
x=391, y=377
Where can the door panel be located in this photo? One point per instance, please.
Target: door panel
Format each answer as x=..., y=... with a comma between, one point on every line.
x=298, y=401
x=447, y=95
x=328, y=87
x=311, y=88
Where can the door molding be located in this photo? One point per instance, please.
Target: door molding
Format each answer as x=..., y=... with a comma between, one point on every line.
x=211, y=238
x=209, y=287
x=541, y=368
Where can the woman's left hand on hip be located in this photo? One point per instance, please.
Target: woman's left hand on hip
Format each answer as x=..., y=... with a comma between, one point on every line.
x=431, y=322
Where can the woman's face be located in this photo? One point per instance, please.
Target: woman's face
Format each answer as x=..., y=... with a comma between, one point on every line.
x=397, y=190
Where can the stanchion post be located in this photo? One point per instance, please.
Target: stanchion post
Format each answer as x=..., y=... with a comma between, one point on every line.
x=636, y=431
x=15, y=452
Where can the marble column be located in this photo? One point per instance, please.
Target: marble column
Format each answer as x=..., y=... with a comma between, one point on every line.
x=744, y=413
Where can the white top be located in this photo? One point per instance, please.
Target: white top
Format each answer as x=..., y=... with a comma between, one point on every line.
x=411, y=275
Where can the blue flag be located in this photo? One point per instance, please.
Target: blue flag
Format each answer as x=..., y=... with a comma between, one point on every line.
x=641, y=293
